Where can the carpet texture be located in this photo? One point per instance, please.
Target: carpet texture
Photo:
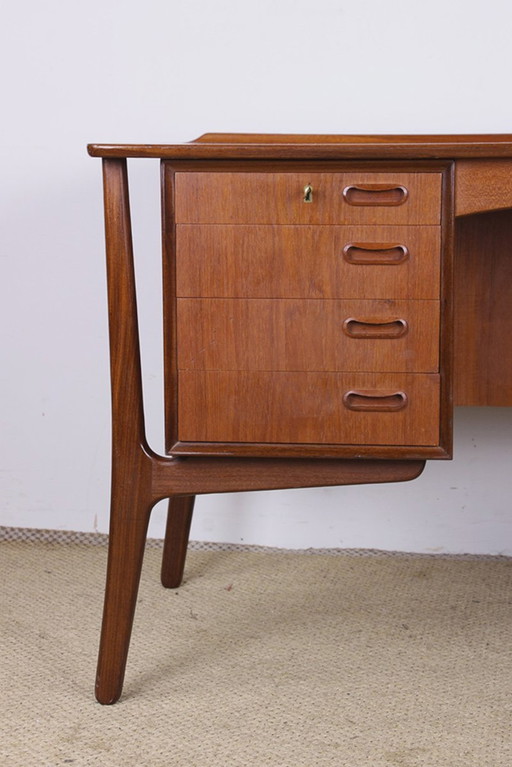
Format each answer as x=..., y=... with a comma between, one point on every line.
x=260, y=658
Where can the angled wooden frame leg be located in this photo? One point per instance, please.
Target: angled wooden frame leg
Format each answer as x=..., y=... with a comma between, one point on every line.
x=131, y=496
x=179, y=519
x=128, y=530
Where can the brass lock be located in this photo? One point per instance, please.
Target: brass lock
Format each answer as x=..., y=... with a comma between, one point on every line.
x=308, y=193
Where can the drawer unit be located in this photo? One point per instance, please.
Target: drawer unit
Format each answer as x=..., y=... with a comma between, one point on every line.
x=306, y=310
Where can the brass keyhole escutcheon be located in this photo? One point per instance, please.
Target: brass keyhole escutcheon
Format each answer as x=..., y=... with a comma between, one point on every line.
x=308, y=193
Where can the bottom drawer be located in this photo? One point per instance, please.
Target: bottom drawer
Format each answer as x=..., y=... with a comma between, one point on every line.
x=308, y=408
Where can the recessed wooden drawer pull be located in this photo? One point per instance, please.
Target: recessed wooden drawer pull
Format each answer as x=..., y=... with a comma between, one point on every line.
x=375, y=194
x=379, y=254
x=375, y=401
x=375, y=328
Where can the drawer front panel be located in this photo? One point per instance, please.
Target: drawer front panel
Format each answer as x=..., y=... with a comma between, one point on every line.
x=336, y=198
x=307, y=261
x=308, y=408
x=308, y=335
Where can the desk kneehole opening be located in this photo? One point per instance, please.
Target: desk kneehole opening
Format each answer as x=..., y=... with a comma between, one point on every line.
x=374, y=401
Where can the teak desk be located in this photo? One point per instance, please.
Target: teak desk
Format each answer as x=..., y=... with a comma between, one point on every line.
x=326, y=301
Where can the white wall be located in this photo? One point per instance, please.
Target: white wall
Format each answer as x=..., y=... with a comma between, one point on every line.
x=167, y=71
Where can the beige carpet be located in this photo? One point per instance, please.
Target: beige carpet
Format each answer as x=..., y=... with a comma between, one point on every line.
x=261, y=658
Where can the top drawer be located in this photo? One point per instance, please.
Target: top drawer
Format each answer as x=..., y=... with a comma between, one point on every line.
x=335, y=198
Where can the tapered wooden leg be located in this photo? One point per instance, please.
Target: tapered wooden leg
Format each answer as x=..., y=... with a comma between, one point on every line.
x=179, y=519
x=131, y=498
x=125, y=555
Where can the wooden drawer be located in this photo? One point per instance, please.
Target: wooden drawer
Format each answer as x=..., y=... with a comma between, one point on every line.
x=351, y=197
x=307, y=261
x=308, y=408
x=308, y=335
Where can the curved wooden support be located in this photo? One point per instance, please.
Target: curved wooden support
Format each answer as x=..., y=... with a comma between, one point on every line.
x=137, y=485
x=177, y=476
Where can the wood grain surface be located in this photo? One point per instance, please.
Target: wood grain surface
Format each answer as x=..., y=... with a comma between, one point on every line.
x=240, y=406
x=304, y=262
x=223, y=197
x=482, y=186
x=308, y=335
x=299, y=146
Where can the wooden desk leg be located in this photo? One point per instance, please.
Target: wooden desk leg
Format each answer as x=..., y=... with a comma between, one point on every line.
x=131, y=496
x=128, y=529
x=179, y=519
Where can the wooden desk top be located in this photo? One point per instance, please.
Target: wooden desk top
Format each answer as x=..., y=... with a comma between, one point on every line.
x=483, y=167
x=316, y=147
